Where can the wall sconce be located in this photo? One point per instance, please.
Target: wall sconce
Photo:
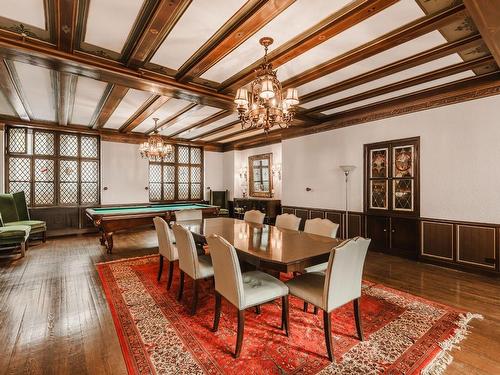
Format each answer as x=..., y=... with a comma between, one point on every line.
x=277, y=171
x=243, y=173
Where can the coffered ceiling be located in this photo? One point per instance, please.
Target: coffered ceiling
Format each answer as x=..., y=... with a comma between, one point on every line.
x=111, y=66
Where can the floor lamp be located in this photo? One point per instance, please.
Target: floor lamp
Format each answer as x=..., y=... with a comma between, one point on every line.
x=347, y=169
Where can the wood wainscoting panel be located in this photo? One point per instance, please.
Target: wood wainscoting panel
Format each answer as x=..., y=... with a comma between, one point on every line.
x=355, y=225
x=304, y=215
x=287, y=210
x=313, y=214
x=336, y=217
x=476, y=245
x=437, y=240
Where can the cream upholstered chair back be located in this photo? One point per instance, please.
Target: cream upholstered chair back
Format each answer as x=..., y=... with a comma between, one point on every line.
x=188, y=257
x=321, y=227
x=227, y=271
x=165, y=239
x=344, y=273
x=185, y=215
x=287, y=221
x=254, y=216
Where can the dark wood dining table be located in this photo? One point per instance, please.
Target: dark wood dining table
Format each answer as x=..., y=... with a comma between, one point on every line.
x=266, y=246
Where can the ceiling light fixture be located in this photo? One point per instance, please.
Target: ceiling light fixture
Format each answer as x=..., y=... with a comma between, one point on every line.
x=155, y=148
x=263, y=104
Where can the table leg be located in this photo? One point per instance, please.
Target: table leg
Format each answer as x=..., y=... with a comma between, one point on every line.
x=109, y=242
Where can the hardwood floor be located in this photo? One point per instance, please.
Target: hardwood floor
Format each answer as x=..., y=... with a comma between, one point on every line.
x=54, y=318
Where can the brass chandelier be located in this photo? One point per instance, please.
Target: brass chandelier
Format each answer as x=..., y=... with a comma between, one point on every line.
x=263, y=104
x=155, y=148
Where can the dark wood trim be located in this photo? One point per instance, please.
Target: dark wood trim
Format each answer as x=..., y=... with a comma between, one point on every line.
x=112, y=97
x=392, y=39
x=207, y=121
x=176, y=117
x=226, y=136
x=218, y=130
x=65, y=97
x=65, y=26
x=242, y=25
x=12, y=91
x=334, y=24
x=144, y=111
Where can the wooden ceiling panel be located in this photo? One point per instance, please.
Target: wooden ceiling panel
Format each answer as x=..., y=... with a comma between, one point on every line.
x=37, y=86
x=191, y=117
x=301, y=14
x=5, y=107
x=405, y=74
x=132, y=100
x=28, y=12
x=195, y=133
x=225, y=131
x=410, y=90
x=109, y=23
x=87, y=96
x=379, y=24
x=245, y=133
x=164, y=113
x=193, y=29
x=402, y=51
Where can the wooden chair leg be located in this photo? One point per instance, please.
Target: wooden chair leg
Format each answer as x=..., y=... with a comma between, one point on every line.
x=306, y=305
x=44, y=237
x=170, y=274
x=160, y=269
x=327, y=324
x=195, y=297
x=241, y=330
x=218, y=301
x=181, y=286
x=23, y=249
x=285, y=315
x=357, y=318
x=315, y=310
x=257, y=310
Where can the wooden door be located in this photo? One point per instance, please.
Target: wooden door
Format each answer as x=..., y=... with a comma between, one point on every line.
x=377, y=228
x=404, y=237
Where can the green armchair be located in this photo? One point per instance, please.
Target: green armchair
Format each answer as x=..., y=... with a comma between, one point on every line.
x=14, y=211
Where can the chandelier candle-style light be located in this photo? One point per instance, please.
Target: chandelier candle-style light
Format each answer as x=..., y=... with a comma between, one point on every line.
x=155, y=148
x=264, y=104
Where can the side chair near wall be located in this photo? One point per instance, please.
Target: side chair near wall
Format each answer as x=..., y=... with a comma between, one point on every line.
x=243, y=291
x=166, y=248
x=287, y=221
x=254, y=216
x=340, y=284
x=14, y=211
x=195, y=266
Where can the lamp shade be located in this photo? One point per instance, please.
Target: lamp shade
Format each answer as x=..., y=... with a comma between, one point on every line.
x=292, y=97
x=267, y=91
x=347, y=168
x=241, y=97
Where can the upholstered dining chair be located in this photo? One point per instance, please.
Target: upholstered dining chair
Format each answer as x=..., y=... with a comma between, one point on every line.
x=245, y=290
x=287, y=221
x=186, y=215
x=196, y=266
x=340, y=284
x=166, y=248
x=254, y=216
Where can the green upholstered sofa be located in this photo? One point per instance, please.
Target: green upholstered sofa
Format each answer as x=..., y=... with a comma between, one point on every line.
x=14, y=212
x=14, y=235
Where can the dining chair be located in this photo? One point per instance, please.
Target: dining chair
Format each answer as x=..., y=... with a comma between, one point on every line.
x=196, y=266
x=288, y=221
x=166, y=248
x=185, y=215
x=254, y=216
x=243, y=291
x=340, y=284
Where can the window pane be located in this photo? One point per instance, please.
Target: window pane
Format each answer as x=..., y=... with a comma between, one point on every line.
x=195, y=191
x=88, y=147
x=169, y=192
x=68, y=171
x=44, y=170
x=44, y=193
x=196, y=174
x=169, y=173
x=19, y=169
x=154, y=173
x=183, y=191
x=183, y=154
x=155, y=191
x=89, y=192
x=17, y=140
x=171, y=157
x=68, y=145
x=89, y=171
x=44, y=143
x=183, y=175
x=68, y=193
x=14, y=187
x=195, y=155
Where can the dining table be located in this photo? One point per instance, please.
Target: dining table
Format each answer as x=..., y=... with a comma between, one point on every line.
x=266, y=246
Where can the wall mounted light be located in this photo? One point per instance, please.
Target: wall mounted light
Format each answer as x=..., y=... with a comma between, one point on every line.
x=277, y=171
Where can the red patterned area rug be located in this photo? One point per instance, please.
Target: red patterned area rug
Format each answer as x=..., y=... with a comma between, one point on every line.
x=404, y=334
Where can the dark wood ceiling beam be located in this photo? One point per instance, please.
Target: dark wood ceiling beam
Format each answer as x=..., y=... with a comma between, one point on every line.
x=11, y=90
x=254, y=140
x=392, y=39
x=248, y=20
x=396, y=67
x=486, y=16
x=66, y=19
x=66, y=87
x=333, y=25
x=104, y=70
x=215, y=117
x=231, y=135
x=164, y=18
x=144, y=111
x=409, y=82
x=176, y=117
x=217, y=131
x=111, y=99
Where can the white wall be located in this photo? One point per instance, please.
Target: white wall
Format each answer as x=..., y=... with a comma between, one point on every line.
x=459, y=161
x=214, y=171
x=124, y=173
x=2, y=162
x=229, y=178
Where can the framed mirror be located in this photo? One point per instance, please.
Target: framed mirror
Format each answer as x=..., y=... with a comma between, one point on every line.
x=261, y=182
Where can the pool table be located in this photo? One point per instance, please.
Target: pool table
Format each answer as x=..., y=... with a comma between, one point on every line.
x=111, y=219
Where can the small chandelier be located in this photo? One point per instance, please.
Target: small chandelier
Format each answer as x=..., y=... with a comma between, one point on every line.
x=155, y=149
x=264, y=104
